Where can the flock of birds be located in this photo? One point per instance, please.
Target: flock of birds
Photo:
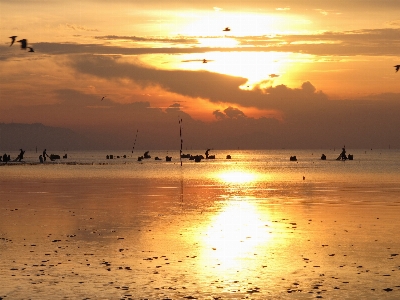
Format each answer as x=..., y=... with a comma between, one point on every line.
x=24, y=46
x=24, y=43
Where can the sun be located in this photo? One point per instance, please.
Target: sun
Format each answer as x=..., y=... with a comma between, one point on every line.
x=213, y=23
x=224, y=42
x=256, y=67
x=228, y=52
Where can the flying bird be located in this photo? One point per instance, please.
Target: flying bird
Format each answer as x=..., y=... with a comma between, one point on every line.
x=227, y=29
x=397, y=67
x=12, y=39
x=31, y=49
x=204, y=61
x=24, y=43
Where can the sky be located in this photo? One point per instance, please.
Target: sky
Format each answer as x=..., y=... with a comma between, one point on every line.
x=287, y=74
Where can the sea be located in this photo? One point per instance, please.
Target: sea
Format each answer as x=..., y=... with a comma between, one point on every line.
x=249, y=224
x=371, y=171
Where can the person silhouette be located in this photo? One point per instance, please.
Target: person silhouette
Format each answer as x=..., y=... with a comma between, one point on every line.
x=343, y=154
x=21, y=155
x=206, y=153
x=45, y=154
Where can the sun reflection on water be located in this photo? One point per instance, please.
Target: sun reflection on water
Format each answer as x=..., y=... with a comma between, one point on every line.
x=237, y=177
x=234, y=234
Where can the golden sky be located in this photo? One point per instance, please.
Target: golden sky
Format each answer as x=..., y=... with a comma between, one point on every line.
x=283, y=66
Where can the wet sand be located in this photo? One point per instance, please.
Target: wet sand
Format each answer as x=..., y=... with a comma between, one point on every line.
x=169, y=239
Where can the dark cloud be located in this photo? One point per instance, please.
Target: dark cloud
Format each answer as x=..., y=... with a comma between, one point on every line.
x=99, y=49
x=353, y=42
x=173, y=108
x=177, y=40
x=195, y=84
x=215, y=87
x=219, y=115
x=234, y=113
x=175, y=105
x=230, y=112
x=343, y=43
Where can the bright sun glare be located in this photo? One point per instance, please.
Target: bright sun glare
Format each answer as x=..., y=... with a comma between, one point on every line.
x=237, y=177
x=212, y=23
x=234, y=233
x=257, y=67
x=218, y=42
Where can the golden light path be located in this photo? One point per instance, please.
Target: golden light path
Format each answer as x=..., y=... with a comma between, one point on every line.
x=240, y=178
x=237, y=177
x=234, y=233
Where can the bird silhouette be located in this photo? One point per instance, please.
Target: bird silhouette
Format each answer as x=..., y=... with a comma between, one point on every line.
x=12, y=39
x=31, y=49
x=227, y=29
x=103, y=98
x=397, y=67
x=204, y=61
x=24, y=43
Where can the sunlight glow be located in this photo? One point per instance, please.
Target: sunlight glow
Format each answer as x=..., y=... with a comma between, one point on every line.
x=234, y=234
x=237, y=177
x=212, y=23
x=218, y=42
x=261, y=69
x=265, y=68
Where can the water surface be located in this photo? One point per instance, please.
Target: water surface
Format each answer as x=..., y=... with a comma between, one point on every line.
x=246, y=228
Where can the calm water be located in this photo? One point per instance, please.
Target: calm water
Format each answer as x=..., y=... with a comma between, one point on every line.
x=265, y=174
x=251, y=227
